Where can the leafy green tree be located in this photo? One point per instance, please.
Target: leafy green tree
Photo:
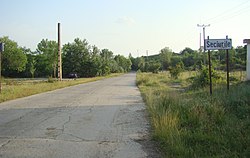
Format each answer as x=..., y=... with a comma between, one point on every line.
x=187, y=51
x=153, y=67
x=96, y=62
x=46, y=59
x=13, y=58
x=141, y=64
x=175, y=60
x=107, y=57
x=123, y=62
x=30, y=66
x=76, y=57
x=165, y=56
x=135, y=62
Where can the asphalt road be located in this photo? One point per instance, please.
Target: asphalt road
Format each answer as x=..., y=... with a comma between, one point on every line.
x=102, y=119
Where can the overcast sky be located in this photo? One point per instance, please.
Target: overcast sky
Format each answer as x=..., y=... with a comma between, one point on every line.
x=125, y=26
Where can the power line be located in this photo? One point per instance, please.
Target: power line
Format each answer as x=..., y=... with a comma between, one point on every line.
x=229, y=12
x=232, y=15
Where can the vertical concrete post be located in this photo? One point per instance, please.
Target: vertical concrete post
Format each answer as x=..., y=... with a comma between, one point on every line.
x=248, y=61
x=59, y=54
x=247, y=41
x=1, y=51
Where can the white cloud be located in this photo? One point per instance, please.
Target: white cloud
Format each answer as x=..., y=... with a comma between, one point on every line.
x=125, y=20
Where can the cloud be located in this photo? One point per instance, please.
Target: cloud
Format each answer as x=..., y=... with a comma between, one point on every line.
x=125, y=20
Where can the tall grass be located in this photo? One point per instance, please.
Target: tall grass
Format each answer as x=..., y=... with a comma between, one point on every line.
x=195, y=124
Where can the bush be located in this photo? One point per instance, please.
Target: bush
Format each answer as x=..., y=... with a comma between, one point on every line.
x=176, y=71
x=51, y=79
x=202, y=79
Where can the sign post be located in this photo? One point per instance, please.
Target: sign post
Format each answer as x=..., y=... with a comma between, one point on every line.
x=218, y=44
x=210, y=71
x=1, y=50
x=227, y=58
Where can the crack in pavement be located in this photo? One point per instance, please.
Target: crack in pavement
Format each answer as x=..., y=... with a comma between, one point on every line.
x=5, y=144
x=63, y=126
x=91, y=120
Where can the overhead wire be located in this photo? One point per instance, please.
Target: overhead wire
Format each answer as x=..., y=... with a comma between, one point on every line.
x=230, y=13
x=221, y=17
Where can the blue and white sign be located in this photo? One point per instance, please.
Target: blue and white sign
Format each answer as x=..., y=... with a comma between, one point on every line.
x=217, y=44
x=1, y=47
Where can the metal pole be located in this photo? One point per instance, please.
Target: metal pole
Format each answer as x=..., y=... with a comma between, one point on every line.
x=204, y=45
x=210, y=71
x=59, y=55
x=200, y=42
x=0, y=72
x=227, y=58
x=227, y=70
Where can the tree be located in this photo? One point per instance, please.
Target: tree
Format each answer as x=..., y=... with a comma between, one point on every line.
x=30, y=66
x=141, y=64
x=123, y=62
x=76, y=57
x=153, y=67
x=47, y=54
x=187, y=51
x=107, y=57
x=165, y=56
x=13, y=58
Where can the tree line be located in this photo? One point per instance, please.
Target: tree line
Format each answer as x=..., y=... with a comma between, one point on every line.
x=89, y=61
x=77, y=57
x=189, y=59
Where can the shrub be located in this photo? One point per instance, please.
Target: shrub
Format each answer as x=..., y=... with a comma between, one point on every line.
x=202, y=79
x=51, y=79
x=176, y=71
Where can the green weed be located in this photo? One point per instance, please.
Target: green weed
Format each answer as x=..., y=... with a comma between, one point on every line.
x=195, y=124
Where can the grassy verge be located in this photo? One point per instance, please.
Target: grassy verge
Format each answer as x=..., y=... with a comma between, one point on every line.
x=193, y=124
x=17, y=89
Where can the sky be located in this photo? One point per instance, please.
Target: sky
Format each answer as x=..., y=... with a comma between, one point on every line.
x=125, y=26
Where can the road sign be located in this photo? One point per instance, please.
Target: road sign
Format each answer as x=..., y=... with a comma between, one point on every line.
x=1, y=47
x=216, y=44
x=247, y=41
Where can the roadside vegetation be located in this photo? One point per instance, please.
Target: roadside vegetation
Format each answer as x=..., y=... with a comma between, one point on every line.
x=18, y=88
x=79, y=57
x=188, y=122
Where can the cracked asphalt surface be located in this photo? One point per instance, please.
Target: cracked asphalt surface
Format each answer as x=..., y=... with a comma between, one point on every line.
x=104, y=119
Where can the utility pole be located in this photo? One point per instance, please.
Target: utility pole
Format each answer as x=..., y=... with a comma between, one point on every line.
x=59, y=54
x=1, y=51
x=147, y=54
x=204, y=32
x=200, y=43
